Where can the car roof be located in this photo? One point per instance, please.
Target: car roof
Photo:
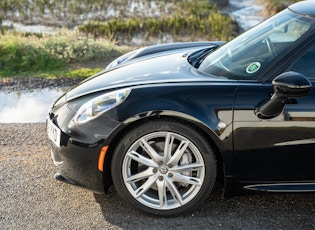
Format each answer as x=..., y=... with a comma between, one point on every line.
x=306, y=8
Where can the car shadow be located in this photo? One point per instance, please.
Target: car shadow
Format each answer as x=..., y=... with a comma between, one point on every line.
x=252, y=211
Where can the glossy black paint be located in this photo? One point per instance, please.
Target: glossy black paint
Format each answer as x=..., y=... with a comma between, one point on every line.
x=287, y=85
x=262, y=153
x=278, y=149
x=306, y=9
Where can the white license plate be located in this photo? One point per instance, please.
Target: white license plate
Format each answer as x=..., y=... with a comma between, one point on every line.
x=53, y=132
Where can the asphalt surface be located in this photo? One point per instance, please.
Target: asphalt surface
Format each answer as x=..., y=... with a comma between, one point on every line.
x=31, y=199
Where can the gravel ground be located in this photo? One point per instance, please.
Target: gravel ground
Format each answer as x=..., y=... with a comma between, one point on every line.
x=29, y=83
x=31, y=199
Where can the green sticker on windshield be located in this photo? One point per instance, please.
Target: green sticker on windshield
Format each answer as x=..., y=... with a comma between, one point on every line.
x=253, y=67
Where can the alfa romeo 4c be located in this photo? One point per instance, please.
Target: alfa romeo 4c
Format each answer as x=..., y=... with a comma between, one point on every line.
x=164, y=123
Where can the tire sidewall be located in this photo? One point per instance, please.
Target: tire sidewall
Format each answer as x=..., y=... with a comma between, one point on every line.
x=170, y=126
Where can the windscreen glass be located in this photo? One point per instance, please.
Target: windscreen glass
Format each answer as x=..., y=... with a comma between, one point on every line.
x=250, y=53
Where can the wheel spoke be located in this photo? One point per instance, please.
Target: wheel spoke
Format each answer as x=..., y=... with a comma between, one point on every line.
x=186, y=179
x=140, y=176
x=174, y=191
x=150, y=151
x=146, y=186
x=141, y=159
x=179, y=152
x=162, y=192
x=169, y=139
x=188, y=167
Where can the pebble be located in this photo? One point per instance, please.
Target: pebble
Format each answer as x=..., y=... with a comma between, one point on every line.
x=29, y=83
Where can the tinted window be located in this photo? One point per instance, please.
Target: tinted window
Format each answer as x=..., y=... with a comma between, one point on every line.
x=306, y=64
x=249, y=54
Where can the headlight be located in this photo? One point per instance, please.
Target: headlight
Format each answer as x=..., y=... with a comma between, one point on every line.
x=97, y=106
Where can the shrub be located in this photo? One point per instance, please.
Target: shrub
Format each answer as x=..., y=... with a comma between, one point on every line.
x=191, y=19
x=31, y=54
x=25, y=54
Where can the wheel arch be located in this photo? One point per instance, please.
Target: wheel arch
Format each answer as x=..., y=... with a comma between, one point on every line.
x=204, y=130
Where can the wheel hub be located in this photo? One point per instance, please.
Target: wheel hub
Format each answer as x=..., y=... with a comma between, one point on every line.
x=163, y=169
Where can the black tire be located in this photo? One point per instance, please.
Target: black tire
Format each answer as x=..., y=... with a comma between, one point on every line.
x=156, y=182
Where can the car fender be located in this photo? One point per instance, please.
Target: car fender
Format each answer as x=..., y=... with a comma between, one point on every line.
x=214, y=122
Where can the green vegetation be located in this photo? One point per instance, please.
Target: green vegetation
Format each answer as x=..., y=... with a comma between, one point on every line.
x=52, y=55
x=101, y=24
x=190, y=20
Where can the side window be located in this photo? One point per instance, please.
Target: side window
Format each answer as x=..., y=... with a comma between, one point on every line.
x=306, y=64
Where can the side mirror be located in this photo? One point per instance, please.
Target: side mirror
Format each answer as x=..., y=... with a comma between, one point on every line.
x=286, y=85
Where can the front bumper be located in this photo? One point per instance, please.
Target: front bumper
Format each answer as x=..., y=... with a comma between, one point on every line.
x=77, y=157
x=77, y=165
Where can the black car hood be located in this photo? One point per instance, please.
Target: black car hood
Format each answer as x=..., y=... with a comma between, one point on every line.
x=165, y=67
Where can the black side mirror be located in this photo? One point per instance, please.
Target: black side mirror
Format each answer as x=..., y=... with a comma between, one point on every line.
x=286, y=85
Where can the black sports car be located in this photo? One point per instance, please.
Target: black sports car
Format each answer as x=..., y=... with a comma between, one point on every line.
x=165, y=122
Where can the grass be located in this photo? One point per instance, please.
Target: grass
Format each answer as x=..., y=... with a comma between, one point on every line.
x=190, y=19
x=53, y=56
x=66, y=53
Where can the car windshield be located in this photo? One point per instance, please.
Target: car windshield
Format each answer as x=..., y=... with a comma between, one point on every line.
x=248, y=55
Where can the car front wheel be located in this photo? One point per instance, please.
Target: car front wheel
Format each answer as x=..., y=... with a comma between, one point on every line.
x=164, y=168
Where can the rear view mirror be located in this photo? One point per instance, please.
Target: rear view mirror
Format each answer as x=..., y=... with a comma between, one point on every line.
x=286, y=85
x=292, y=84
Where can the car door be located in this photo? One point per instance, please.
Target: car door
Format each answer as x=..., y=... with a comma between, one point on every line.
x=280, y=149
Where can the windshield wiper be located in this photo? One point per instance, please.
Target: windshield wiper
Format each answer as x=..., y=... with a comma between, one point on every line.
x=196, y=58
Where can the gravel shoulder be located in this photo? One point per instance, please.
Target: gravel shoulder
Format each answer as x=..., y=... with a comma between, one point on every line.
x=30, y=83
x=31, y=199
